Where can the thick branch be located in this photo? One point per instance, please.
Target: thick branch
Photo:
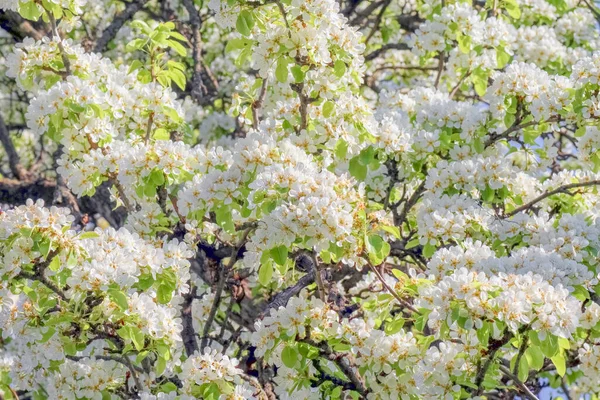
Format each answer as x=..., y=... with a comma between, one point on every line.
x=117, y=23
x=282, y=298
x=14, y=161
x=343, y=364
x=200, y=92
x=38, y=274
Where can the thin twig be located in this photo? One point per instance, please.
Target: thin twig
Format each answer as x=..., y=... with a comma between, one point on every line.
x=63, y=53
x=391, y=290
x=523, y=388
x=223, y=275
x=256, y=106
x=440, y=70
x=455, y=88
x=561, y=189
x=319, y=279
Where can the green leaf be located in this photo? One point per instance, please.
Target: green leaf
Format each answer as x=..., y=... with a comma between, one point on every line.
x=54, y=264
x=137, y=337
x=135, y=65
x=289, y=356
x=394, y=230
x=341, y=149
x=119, y=298
x=523, y=369
x=502, y=57
x=478, y=145
x=479, y=77
x=167, y=387
x=512, y=8
x=328, y=108
x=549, y=346
x=178, y=47
x=161, y=365
x=464, y=42
x=175, y=65
x=265, y=273
x=136, y=44
x=46, y=336
x=70, y=348
x=163, y=351
x=279, y=254
x=224, y=218
x=564, y=343
x=178, y=77
x=357, y=169
x=297, y=73
x=413, y=243
x=377, y=249
x=339, y=68
x=141, y=356
x=161, y=134
x=29, y=10
x=172, y=114
x=88, y=235
x=535, y=357
x=236, y=44
x=487, y=195
x=509, y=119
x=164, y=293
x=428, y=250
x=560, y=364
x=157, y=177
x=281, y=71
x=141, y=25
x=245, y=22
x=394, y=326
x=178, y=36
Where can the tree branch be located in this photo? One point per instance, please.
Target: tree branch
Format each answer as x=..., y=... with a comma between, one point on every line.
x=523, y=388
x=223, y=275
x=390, y=46
x=343, y=364
x=117, y=23
x=560, y=189
x=14, y=161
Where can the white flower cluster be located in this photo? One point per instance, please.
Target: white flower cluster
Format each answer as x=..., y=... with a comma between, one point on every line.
x=589, y=144
x=461, y=19
x=473, y=173
x=121, y=257
x=16, y=249
x=449, y=217
x=84, y=379
x=104, y=127
x=9, y=5
x=432, y=110
x=568, y=236
x=318, y=206
x=211, y=366
x=539, y=45
x=576, y=24
x=513, y=299
x=395, y=363
x=476, y=256
x=589, y=366
x=544, y=95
